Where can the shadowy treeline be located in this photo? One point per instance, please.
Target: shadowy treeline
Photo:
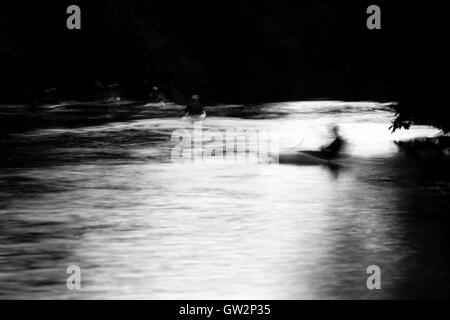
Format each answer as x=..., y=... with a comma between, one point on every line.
x=237, y=51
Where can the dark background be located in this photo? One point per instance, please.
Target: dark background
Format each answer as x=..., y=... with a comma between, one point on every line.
x=237, y=51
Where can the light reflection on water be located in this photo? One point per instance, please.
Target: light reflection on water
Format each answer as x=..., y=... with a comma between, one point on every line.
x=108, y=199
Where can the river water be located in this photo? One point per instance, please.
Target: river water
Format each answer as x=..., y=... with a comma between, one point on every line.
x=95, y=186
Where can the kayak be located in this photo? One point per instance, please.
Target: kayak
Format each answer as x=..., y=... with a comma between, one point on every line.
x=195, y=117
x=306, y=159
x=300, y=158
x=155, y=104
x=319, y=154
x=53, y=106
x=110, y=102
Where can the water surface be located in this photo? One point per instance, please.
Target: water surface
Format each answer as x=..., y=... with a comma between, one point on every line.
x=105, y=195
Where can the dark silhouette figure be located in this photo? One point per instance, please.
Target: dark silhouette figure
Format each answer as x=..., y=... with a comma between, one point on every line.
x=156, y=96
x=114, y=92
x=332, y=150
x=194, y=107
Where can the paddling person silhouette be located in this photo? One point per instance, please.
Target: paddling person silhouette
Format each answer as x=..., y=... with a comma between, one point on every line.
x=194, y=107
x=156, y=96
x=332, y=150
x=324, y=156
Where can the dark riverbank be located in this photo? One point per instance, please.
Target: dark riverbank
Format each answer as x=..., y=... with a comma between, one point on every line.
x=229, y=52
x=243, y=51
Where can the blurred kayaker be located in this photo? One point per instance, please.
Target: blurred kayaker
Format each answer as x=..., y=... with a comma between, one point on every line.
x=334, y=148
x=194, y=107
x=156, y=96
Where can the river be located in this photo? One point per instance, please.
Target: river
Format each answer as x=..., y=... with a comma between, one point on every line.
x=95, y=186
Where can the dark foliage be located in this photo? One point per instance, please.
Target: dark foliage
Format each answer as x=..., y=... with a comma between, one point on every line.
x=246, y=51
